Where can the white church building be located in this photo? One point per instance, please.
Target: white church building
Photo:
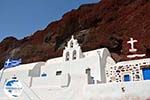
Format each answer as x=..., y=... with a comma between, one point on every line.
x=77, y=75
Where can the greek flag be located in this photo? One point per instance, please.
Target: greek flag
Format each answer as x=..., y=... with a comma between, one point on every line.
x=11, y=63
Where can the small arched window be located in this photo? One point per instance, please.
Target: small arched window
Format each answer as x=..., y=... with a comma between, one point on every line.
x=44, y=75
x=74, y=54
x=71, y=44
x=67, y=56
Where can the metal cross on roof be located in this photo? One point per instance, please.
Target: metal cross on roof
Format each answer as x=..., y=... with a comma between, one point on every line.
x=132, y=49
x=131, y=42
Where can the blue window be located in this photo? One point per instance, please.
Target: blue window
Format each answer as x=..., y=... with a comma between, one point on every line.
x=146, y=73
x=126, y=78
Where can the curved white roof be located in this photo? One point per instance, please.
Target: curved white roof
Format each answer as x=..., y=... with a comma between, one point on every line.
x=25, y=66
x=147, y=60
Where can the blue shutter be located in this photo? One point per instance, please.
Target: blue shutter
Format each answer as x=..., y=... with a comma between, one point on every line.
x=146, y=73
x=126, y=78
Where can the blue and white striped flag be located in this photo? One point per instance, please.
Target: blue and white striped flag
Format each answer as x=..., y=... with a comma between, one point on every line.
x=11, y=63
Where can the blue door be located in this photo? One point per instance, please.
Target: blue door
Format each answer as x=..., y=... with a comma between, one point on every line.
x=126, y=78
x=146, y=73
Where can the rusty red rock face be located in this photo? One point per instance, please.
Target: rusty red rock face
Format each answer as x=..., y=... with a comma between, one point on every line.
x=109, y=23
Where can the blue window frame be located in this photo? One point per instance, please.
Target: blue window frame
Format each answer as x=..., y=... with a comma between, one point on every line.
x=146, y=73
x=126, y=78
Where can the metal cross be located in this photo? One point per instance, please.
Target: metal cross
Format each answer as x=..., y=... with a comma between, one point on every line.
x=131, y=42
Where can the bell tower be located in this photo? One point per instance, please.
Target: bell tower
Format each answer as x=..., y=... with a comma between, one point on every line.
x=72, y=51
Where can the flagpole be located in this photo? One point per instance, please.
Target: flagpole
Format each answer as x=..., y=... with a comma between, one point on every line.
x=2, y=74
x=3, y=69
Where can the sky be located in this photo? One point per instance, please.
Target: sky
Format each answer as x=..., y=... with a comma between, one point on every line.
x=20, y=18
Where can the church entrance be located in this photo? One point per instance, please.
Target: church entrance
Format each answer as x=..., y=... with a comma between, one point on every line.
x=146, y=73
x=90, y=79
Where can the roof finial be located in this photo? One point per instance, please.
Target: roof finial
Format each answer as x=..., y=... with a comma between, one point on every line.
x=72, y=37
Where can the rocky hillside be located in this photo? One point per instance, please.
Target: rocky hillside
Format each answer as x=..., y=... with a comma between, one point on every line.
x=109, y=23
